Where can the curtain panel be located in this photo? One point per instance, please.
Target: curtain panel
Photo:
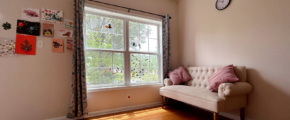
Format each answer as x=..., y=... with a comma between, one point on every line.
x=166, y=46
x=78, y=98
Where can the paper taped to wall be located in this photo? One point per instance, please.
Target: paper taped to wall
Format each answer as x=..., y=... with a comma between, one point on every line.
x=7, y=47
x=30, y=14
x=52, y=15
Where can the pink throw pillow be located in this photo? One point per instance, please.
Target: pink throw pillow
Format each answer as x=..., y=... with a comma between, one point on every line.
x=179, y=76
x=224, y=75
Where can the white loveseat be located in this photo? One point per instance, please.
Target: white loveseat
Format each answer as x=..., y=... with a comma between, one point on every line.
x=196, y=92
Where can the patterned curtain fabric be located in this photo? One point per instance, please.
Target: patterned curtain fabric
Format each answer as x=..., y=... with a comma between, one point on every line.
x=78, y=100
x=166, y=46
x=166, y=50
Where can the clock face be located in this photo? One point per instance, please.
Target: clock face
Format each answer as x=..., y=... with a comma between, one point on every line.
x=222, y=4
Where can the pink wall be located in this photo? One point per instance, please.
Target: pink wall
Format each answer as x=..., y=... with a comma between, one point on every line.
x=38, y=87
x=252, y=33
x=34, y=87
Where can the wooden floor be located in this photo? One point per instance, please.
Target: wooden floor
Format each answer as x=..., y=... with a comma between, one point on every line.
x=173, y=112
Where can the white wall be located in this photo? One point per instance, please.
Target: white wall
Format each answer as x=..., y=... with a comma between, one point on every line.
x=252, y=33
x=34, y=87
x=38, y=87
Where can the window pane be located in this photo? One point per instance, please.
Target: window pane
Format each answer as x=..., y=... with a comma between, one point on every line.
x=144, y=68
x=106, y=59
x=134, y=35
x=153, y=47
x=106, y=76
x=138, y=36
x=118, y=68
x=134, y=44
x=92, y=76
x=106, y=41
x=153, y=31
x=153, y=61
x=154, y=74
x=104, y=32
x=104, y=68
x=118, y=26
x=142, y=37
x=118, y=42
x=134, y=29
x=92, y=39
x=92, y=59
x=144, y=44
x=153, y=68
x=135, y=68
x=93, y=22
x=105, y=21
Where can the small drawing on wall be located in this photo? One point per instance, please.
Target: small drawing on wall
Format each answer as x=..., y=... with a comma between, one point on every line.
x=48, y=30
x=30, y=14
x=29, y=28
x=52, y=15
x=25, y=44
x=57, y=45
x=68, y=23
x=6, y=26
x=69, y=45
x=65, y=33
x=7, y=47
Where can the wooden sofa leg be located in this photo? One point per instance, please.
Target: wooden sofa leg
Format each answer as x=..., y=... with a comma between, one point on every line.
x=215, y=116
x=162, y=101
x=242, y=113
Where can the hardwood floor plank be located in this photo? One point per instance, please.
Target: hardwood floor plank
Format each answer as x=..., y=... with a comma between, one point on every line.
x=178, y=111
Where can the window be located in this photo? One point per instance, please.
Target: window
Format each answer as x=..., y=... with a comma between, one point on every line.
x=121, y=50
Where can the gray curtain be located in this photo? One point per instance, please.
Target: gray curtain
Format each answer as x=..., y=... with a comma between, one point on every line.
x=166, y=50
x=166, y=46
x=78, y=99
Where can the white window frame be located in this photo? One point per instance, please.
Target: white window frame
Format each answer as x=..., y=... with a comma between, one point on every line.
x=127, y=70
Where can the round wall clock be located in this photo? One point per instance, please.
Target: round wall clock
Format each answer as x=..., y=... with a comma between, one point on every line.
x=222, y=4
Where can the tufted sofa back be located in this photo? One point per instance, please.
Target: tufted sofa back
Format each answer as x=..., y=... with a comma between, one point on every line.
x=200, y=75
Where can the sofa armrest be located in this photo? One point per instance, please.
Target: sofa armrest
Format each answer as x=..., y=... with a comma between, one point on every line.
x=167, y=82
x=234, y=89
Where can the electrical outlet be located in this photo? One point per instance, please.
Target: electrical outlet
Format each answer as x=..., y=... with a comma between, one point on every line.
x=39, y=44
x=128, y=96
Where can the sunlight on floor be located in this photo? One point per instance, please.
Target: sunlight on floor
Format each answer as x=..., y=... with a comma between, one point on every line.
x=133, y=115
x=173, y=112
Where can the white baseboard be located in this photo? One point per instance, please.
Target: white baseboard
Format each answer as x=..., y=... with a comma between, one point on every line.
x=115, y=110
x=123, y=109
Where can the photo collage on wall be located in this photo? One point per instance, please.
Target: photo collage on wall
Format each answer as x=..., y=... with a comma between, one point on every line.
x=29, y=26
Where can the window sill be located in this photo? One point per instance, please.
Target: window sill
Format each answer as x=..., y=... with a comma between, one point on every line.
x=91, y=90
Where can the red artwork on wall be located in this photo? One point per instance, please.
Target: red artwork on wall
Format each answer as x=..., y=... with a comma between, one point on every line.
x=25, y=44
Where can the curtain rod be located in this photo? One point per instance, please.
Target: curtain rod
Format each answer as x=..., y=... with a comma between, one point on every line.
x=129, y=8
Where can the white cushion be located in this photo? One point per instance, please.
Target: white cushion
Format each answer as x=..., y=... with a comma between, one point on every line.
x=234, y=89
x=199, y=97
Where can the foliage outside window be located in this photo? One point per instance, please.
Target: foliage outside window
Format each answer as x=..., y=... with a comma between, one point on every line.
x=117, y=58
